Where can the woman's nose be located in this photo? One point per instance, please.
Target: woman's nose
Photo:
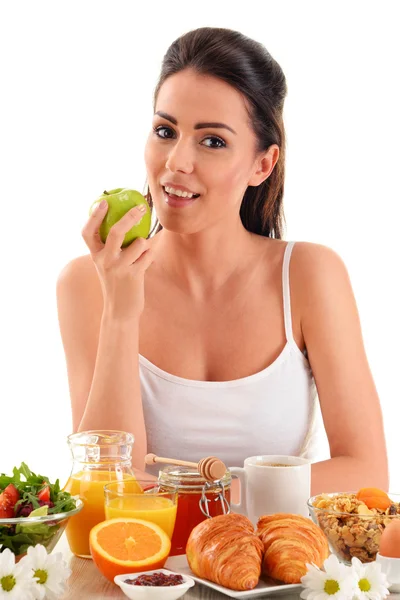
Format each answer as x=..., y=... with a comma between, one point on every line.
x=180, y=157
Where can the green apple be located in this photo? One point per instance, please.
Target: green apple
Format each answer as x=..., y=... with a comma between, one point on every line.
x=119, y=202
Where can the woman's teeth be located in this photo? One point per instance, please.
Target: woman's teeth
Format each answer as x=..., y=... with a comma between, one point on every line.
x=179, y=193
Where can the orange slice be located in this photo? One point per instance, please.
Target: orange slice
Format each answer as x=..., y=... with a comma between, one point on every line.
x=120, y=546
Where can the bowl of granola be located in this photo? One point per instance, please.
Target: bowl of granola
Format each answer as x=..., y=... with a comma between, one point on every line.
x=353, y=522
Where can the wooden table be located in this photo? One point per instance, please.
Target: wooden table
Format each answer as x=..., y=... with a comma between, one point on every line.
x=87, y=583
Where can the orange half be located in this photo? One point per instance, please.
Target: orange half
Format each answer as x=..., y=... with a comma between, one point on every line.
x=120, y=546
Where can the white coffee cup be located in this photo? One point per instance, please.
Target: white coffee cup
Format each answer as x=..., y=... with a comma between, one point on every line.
x=266, y=489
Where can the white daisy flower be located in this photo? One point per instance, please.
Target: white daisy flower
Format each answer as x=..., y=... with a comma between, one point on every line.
x=15, y=580
x=49, y=572
x=370, y=582
x=336, y=582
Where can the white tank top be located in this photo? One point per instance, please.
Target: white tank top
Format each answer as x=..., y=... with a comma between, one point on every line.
x=275, y=411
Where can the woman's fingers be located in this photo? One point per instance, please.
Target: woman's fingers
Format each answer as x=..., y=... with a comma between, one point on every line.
x=90, y=232
x=141, y=265
x=117, y=232
x=131, y=254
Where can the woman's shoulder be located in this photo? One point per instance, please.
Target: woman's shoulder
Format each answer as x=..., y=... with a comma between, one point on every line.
x=315, y=270
x=78, y=273
x=318, y=274
x=316, y=261
x=79, y=296
x=308, y=259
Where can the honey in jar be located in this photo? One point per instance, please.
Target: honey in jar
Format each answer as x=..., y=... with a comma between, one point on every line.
x=195, y=495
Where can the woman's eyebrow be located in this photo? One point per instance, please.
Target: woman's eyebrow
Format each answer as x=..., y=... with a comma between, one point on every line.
x=164, y=115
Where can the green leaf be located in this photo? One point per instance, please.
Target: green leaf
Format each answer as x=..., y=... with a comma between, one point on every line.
x=4, y=481
x=56, y=488
x=25, y=471
x=17, y=476
x=31, y=498
x=36, y=528
x=63, y=504
x=14, y=542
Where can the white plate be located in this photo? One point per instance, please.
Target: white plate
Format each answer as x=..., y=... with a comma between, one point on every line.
x=180, y=565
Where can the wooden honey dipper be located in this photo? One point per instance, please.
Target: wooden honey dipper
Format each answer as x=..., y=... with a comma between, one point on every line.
x=210, y=468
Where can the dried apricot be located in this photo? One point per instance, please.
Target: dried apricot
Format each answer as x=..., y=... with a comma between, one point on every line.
x=374, y=498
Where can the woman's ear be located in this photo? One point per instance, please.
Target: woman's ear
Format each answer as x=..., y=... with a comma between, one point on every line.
x=264, y=165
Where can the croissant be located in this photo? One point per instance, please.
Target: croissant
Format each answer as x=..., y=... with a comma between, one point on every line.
x=226, y=550
x=290, y=541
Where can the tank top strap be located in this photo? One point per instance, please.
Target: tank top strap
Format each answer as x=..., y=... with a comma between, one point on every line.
x=286, y=292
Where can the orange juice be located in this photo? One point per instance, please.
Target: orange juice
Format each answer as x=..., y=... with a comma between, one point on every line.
x=156, y=509
x=89, y=486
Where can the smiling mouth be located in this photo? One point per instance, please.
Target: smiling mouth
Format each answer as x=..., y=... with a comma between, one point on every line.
x=180, y=197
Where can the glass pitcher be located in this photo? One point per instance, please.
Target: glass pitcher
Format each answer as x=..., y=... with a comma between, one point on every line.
x=99, y=457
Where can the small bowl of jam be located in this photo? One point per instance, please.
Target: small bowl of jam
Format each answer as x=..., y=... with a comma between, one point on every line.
x=160, y=584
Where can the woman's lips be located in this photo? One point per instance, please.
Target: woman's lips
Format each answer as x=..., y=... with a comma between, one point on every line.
x=176, y=201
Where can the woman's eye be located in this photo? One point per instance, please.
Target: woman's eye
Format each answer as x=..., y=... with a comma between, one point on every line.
x=158, y=129
x=214, y=139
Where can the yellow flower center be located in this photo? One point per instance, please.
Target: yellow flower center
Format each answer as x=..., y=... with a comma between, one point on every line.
x=7, y=583
x=41, y=575
x=364, y=585
x=331, y=587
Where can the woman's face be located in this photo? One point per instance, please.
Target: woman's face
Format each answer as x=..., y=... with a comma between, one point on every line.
x=201, y=140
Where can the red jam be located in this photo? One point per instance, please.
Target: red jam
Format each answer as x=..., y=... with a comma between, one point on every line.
x=190, y=486
x=156, y=579
x=189, y=515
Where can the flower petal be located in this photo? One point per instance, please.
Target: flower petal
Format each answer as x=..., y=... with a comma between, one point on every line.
x=7, y=562
x=334, y=568
x=314, y=581
x=38, y=556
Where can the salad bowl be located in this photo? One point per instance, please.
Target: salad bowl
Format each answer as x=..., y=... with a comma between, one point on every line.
x=33, y=511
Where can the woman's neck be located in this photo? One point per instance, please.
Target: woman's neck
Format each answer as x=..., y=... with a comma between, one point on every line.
x=202, y=263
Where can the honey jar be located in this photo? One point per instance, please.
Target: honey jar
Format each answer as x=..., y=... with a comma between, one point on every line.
x=198, y=500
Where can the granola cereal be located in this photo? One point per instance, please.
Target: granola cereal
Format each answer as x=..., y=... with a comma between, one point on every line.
x=351, y=527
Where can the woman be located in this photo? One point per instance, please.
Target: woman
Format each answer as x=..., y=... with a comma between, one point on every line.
x=214, y=335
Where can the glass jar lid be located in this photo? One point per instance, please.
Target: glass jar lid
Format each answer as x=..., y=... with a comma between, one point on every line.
x=188, y=478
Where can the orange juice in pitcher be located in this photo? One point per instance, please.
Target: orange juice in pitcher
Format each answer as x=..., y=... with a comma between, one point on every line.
x=99, y=457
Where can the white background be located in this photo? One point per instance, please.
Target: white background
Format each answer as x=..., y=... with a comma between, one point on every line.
x=77, y=80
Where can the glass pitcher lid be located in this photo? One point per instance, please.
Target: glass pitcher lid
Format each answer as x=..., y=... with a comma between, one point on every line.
x=107, y=445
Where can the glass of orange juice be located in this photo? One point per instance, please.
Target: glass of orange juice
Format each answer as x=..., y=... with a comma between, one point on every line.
x=141, y=499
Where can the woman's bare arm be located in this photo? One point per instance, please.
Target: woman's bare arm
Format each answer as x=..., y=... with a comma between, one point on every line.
x=100, y=299
x=102, y=358
x=349, y=401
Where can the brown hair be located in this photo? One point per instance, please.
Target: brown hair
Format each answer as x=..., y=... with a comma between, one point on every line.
x=248, y=67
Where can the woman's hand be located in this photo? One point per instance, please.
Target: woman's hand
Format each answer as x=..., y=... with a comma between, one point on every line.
x=121, y=271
